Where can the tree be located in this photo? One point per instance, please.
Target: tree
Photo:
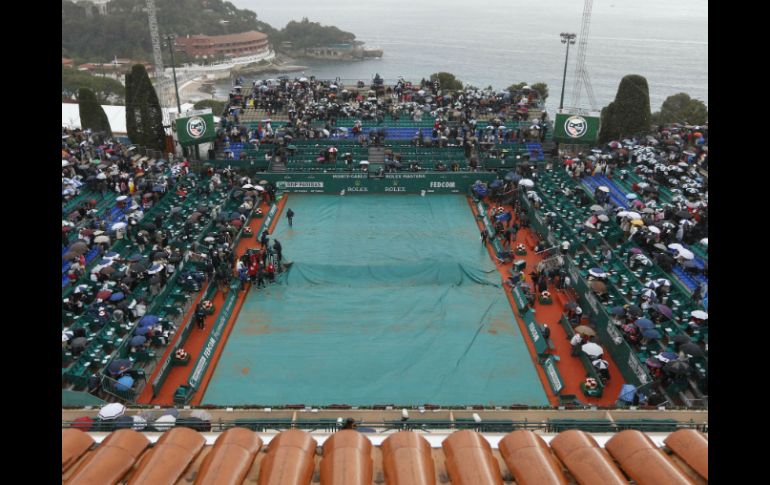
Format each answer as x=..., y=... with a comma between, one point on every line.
x=542, y=89
x=92, y=115
x=629, y=113
x=515, y=87
x=144, y=117
x=107, y=90
x=447, y=81
x=681, y=108
x=217, y=107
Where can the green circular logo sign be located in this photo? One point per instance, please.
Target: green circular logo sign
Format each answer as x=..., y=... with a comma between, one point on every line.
x=196, y=127
x=575, y=126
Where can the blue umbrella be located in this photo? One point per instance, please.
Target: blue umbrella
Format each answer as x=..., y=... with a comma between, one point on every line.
x=135, y=257
x=644, y=324
x=118, y=365
x=496, y=183
x=669, y=355
x=117, y=296
x=627, y=393
x=124, y=383
x=103, y=262
x=503, y=217
x=149, y=320
x=142, y=331
x=111, y=255
x=651, y=333
x=137, y=341
x=618, y=311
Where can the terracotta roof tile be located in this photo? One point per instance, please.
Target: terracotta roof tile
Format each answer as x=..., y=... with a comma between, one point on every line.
x=111, y=460
x=73, y=444
x=407, y=460
x=469, y=459
x=530, y=460
x=693, y=448
x=169, y=458
x=230, y=459
x=585, y=460
x=347, y=459
x=404, y=458
x=289, y=459
x=643, y=461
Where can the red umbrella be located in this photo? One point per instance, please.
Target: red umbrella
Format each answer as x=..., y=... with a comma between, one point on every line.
x=104, y=294
x=66, y=228
x=85, y=423
x=568, y=161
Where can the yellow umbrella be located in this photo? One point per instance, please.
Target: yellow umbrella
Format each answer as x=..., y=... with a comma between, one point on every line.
x=637, y=222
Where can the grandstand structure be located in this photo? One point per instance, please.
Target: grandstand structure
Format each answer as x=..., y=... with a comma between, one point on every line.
x=430, y=172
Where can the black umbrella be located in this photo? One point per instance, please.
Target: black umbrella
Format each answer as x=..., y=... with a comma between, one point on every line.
x=692, y=349
x=79, y=343
x=676, y=367
x=138, y=267
x=684, y=215
x=634, y=311
x=124, y=422
x=681, y=339
x=118, y=365
x=618, y=311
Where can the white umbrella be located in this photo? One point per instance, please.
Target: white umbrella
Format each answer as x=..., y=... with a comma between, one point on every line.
x=623, y=214
x=604, y=188
x=526, y=183
x=675, y=246
x=603, y=218
x=597, y=272
x=259, y=188
x=102, y=239
x=596, y=207
x=65, y=163
x=333, y=150
x=121, y=198
x=118, y=225
x=700, y=314
x=705, y=241
x=592, y=349
x=364, y=162
x=111, y=411
x=165, y=422
x=101, y=176
x=648, y=292
x=633, y=215
x=601, y=364
x=686, y=254
x=631, y=196
x=654, y=230
x=247, y=186
x=201, y=414
x=139, y=422
x=303, y=79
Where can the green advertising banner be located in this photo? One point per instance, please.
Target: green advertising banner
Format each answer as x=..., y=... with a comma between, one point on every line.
x=541, y=346
x=366, y=182
x=554, y=378
x=197, y=129
x=576, y=129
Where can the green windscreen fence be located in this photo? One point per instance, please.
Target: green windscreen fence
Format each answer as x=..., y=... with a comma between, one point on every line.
x=391, y=299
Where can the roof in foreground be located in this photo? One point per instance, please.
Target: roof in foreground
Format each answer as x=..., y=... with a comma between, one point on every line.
x=241, y=456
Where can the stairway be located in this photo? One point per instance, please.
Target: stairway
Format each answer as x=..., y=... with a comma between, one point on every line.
x=277, y=165
x=376, y=155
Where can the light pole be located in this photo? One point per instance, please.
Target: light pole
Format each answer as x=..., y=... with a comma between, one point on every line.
x=170, y=41
x=568, y=39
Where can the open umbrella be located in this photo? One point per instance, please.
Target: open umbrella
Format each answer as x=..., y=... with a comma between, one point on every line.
x=653, y=362
x=634, y=311
x=686, y=254
x=651, y=333
x=681, y=339
x=618, y=311
x=631, y=196
x=140, y=422
x=165, y=422
x=171, y=412
x=604, y=189
x=111, y=411
x=118, y=226
x=644, y=323
x=84, y=423
x=117, y=366
x=201, y=414
x=676, y=367
x=124, y=384
x=78, y=343
x=599, y=287
x=603, y=218
x=137, y=341
x=585, y=330
x=627, y=393
x=597, y=272
x=155, y=268
x=664, y=310
x=117, y=296
x=667, y=356
x=247, y=186
x=593, y=350
x=692, y=349
x=596, y=207
x=142, y=330
x=699, y=314
x=653, y=229
x=526, y=183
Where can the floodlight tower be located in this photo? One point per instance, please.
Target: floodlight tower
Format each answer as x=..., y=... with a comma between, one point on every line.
x=160, y=77
x=581, y=74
